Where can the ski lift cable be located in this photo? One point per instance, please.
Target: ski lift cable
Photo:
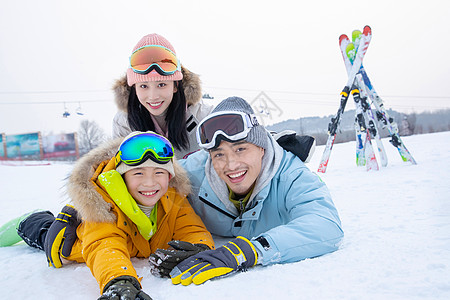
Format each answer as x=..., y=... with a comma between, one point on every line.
x=205, y=87
x=324, y=94
x=49, y=92
x=56, y=102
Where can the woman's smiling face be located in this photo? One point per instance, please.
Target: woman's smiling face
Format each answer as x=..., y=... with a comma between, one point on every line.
x=156, y=96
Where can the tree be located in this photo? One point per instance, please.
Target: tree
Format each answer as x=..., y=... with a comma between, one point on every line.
x=90, y=135
x=412, y=120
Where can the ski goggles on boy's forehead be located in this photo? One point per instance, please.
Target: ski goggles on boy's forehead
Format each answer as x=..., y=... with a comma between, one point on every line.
x=140, y=147
x=230, y=125
x=153, y=57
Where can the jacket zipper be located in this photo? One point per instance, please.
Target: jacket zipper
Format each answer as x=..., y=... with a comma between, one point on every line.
x=217, y=208
x=241, y=208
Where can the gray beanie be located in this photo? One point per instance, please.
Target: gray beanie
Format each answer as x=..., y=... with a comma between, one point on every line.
x=258, y=134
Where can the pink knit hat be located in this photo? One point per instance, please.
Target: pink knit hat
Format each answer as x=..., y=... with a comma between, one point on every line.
x=152, y=39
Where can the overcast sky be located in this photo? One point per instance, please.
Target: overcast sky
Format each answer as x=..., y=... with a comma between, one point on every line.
x=57, y=55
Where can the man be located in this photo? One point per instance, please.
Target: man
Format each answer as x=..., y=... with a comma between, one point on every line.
x=246, y=186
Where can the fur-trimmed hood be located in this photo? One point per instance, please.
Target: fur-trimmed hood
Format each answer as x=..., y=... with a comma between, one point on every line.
x=83, y=192
x=191, y=85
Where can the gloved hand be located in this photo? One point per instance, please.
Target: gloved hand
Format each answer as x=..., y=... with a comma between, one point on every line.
x=124, y=288
x=163, y=261
x=61, y=236
x=303, y=146
x=236, y=255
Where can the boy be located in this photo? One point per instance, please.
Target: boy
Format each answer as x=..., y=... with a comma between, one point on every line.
x=133, y=204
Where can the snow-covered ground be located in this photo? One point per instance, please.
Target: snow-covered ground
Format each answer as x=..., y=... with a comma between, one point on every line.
x=396, y=246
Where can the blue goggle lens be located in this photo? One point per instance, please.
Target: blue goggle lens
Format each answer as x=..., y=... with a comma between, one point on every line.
x=134, y=150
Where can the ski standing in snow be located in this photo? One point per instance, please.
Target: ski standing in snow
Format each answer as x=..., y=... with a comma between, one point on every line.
x=366, y=121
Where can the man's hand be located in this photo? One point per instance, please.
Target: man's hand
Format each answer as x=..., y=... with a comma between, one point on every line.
x=163, y=261
x=61, y=236
x=124, y=288
x=238, y=254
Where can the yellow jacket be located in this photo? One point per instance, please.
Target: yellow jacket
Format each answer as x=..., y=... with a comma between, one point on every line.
x=107, y=238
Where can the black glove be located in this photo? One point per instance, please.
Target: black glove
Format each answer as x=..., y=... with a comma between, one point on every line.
x=124, y=288
x=61, y=236
x=302, y=146
x=163, y=261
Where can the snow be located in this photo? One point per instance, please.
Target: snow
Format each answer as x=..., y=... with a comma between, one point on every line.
x=396, y=245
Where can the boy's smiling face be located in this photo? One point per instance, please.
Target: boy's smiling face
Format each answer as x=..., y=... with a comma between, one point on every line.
x=147, y=184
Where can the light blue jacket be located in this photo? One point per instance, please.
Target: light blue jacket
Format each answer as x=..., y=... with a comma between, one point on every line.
x=290, y=207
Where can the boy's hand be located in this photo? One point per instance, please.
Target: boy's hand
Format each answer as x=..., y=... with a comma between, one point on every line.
x=124, y=287
x=61, y=236
x=163, y=261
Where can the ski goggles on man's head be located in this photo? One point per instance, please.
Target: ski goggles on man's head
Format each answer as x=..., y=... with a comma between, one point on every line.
x=154, y=57
x=232, y=126
x=146, y=145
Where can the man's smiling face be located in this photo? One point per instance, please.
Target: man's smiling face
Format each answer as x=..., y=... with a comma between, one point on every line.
x=238, y=164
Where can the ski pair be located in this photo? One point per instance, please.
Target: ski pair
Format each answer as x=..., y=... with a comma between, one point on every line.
x=349, y=87
x=365, y=121
x=367, y=88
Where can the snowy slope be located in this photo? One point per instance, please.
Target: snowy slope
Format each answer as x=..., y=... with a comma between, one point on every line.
x=396, y=246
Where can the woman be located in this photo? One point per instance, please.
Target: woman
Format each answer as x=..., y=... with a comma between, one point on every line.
x=160, y=95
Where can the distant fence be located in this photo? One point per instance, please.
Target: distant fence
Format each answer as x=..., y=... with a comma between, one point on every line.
x=34, y=146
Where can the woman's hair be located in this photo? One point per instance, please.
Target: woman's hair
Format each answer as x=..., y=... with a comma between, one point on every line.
x=140, y=120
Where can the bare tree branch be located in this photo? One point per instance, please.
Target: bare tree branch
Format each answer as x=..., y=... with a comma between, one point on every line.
x=90, y=135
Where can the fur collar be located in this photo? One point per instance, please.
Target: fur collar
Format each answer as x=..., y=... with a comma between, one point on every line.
x=191, y=84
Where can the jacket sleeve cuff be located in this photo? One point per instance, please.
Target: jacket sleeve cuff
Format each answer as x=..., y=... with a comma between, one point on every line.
x=267, y=252
x=131, y=279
